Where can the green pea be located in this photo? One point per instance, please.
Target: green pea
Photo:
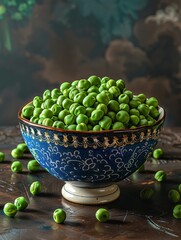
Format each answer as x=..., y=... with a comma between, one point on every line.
x=112, y=115
x=103, y=107
x=94, y=81
x=134, y=119
x=134, y=111
x=151, y=122
x=146, y=193
x=89, y=127
x=102, y=215
x=82, y=118
x=105, y=123
x=124, y=106
x=33, y=166
x=10, y=209
x=40, y=120
x=144, y=109
x=72, y=127
x=118, y=125
x=67, y=103
x=158, y=153
x=58, y=124
x=123, y=98
x=81, y=127
x=142, y=117
x=62, y=114
x=160, y=176
x=174, y=196
x=79, y=97
x=150, y=118
x=73, y=107
x=102, y=87
x=69, y=119
x=47, y=122
x=27, y=111
x=110, y=83
x=17, y=153
x=55, y=93
x=80, y=109
x=120, y=84
x=89, y=101
x=23, y=147
x=108, y=93
x=74, y=83
x=143, y=122
x=134, y=103
x=177, y=211
x=60, y=99
x=83, y=84
x=97, y=128
x=37, y=112
x=35, y=188
x=46, y=113
x=59, y=215
x=48, y=103
x=17, y=167
x=96, y=115
x=89, y=110
x=72, y=93
x=131, y=127
x=66, y=92
x=128, y=93
x=113, y=105
x=2, y=156
x=34, y=119
x=21, y=203
x=37, y=101
x=103, y=98
x=152, y=101
x=114, y=91
x=154, y=112
x=64, y=85
x=54, y=118
x=46, y=94
x=142, y=97
x=93, y=94
x=104, y=80
x=122, y=116
x=94, y=89
x=55, y=108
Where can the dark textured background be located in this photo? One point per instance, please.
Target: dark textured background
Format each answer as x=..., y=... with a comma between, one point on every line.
x=43, y=43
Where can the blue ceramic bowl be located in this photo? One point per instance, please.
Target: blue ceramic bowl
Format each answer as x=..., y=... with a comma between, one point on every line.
x=90, y=157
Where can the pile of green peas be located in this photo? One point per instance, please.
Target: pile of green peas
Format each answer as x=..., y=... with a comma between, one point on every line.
x=92, y=104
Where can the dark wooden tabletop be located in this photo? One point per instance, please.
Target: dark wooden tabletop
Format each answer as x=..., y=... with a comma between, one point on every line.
x=130, y=217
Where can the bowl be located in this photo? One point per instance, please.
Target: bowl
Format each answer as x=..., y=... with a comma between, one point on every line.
x=90, y=163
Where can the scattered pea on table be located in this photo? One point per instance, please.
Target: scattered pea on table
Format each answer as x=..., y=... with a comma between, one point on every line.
x=59, y=215
x=160, y=176
x=33, y=166
x=17, y=167
x=10, y=209
x=21, y=203
x=158, y=153
x=102, y=215
x=35, y=188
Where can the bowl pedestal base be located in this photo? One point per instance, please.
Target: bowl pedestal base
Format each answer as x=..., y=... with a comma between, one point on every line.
x=90, y=195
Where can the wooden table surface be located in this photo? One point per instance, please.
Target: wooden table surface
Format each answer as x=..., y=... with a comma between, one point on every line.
x=131, y=217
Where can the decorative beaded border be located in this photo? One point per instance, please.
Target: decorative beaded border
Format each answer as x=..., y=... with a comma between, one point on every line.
x=68, y=140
